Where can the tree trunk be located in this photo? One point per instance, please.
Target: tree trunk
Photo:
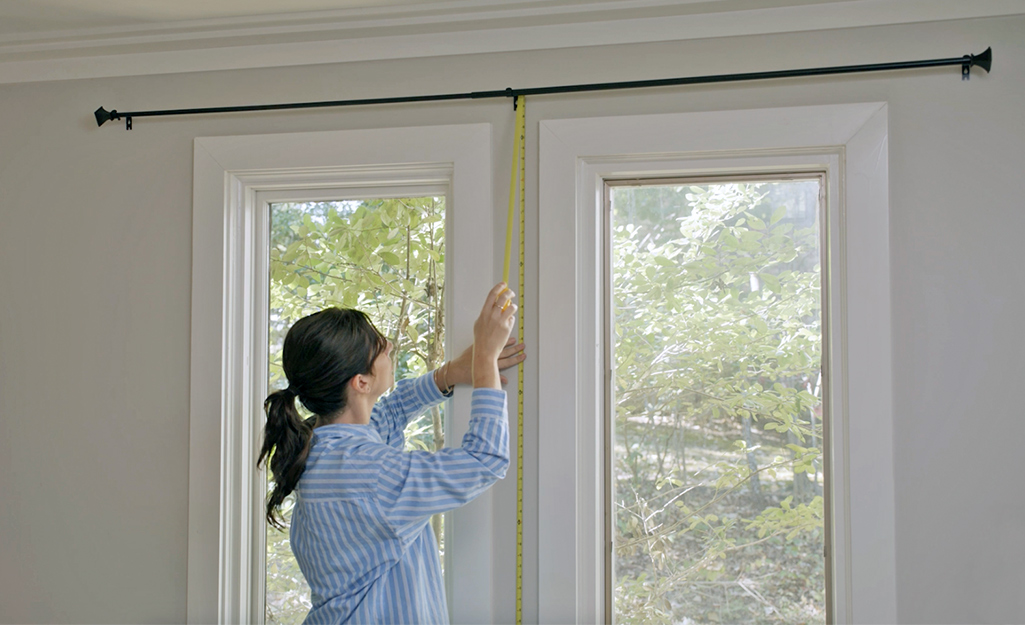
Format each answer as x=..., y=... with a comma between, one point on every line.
x=752, y=463
x=680, y=434
x=802, y=485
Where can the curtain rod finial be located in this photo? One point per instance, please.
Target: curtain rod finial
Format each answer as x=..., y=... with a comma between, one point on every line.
x=984, y=60
x=103, y=116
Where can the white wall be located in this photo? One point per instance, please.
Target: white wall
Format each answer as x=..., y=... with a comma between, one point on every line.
x=95, y=236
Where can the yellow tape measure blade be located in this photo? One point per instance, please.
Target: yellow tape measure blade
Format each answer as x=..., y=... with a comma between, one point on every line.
x=519, y=163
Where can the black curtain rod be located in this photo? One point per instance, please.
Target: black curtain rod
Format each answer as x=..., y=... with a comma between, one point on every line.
x=984, y=60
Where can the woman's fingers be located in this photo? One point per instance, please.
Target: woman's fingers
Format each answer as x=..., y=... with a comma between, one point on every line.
x=503, y=299
x=504, y=362
x=511, y=348
x=508, y=312
x=492, y=297
x=500, y=298
x=492, y=328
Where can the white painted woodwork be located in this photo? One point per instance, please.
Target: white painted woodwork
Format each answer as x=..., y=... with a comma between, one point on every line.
x=235, y=178
x=848, y=141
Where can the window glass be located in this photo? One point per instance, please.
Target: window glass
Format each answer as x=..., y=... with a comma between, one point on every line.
x=715, y=411
x=385, y=257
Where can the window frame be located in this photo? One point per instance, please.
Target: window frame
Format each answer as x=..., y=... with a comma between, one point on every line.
x=576, y=155
x=234, y=178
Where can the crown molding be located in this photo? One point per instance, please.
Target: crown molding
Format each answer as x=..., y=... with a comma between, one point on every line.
x=439, y=29
x=352, y=20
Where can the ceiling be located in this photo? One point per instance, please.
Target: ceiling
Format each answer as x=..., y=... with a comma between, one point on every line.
x=21, y=19
x=26, y=17
x=43, y=40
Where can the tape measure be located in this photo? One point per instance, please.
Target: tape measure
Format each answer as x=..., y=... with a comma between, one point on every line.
x=519, y=166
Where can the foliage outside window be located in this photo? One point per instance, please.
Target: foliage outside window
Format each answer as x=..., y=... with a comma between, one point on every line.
x=385, y=257
x=717, y=402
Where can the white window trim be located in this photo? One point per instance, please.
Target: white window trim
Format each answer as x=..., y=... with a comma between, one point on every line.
x=233, y=179
x=847, y=141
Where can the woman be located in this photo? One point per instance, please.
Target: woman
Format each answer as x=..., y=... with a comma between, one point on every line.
x=360, y=528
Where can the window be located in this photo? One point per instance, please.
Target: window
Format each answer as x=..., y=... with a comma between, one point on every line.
x=236, y=179
x=577, y=156
x=386, y=257
x=714, y=504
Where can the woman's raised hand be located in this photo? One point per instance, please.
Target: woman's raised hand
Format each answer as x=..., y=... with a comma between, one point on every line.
x=490, y=333
x=495, y=322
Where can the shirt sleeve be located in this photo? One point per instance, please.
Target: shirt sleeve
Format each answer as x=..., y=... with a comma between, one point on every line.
x=409, y=399
x=412, y=486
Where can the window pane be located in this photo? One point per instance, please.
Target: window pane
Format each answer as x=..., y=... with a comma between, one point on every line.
x=717, y=483
x=385, y=257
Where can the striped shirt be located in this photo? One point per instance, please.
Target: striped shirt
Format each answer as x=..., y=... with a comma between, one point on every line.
x=361, y=524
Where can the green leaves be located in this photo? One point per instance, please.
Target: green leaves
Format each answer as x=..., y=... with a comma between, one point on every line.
x=383, y=256
x=390, y=257
x=717, y=327
x=770, y=281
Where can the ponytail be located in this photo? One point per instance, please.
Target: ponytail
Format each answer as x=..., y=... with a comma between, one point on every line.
x=286, y=444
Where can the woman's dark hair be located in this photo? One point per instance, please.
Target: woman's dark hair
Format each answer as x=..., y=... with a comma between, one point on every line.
x=322, y=352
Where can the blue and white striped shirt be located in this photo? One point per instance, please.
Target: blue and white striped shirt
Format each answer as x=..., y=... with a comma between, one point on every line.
x=361, y=524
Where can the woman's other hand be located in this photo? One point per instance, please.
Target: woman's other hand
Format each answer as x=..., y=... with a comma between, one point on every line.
x=460, y=369
x=512, y=354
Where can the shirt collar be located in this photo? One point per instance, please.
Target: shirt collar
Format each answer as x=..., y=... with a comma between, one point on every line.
x=347, y=430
